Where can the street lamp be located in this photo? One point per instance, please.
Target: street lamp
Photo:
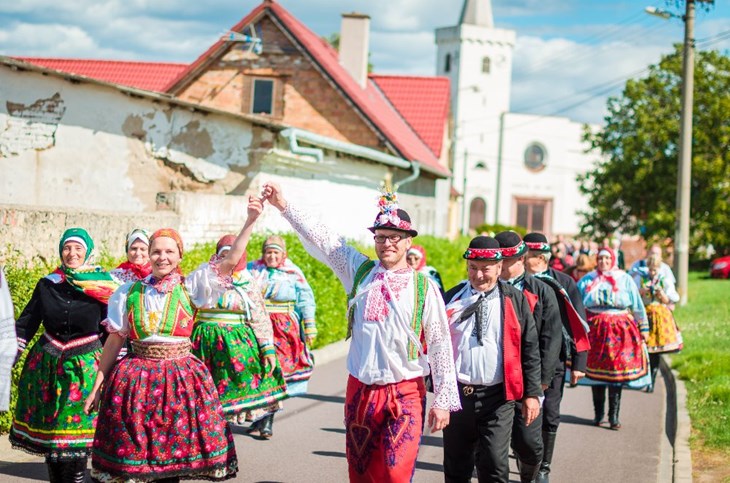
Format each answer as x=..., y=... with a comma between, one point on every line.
x=684, y=174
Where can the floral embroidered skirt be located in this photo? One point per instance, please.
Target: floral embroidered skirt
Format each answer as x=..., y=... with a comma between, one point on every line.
x=293, y=354
x=664, y=335
x=231, y=352
x=383, y=429
x=617, y=351
x=49, y=417
x=161, y=418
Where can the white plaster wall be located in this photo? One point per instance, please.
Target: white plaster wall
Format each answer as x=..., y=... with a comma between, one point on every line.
x=566, y=159
x=101, y=134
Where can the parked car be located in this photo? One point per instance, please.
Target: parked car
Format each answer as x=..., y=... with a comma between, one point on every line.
x=720, y=267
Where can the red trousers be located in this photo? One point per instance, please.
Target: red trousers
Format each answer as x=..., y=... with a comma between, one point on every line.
x=383, y=428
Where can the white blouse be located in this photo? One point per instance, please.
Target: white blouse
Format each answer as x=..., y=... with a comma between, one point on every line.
x=8, y=341
x=379, y=348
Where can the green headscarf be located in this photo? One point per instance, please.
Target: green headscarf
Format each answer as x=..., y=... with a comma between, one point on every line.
x=81, y=236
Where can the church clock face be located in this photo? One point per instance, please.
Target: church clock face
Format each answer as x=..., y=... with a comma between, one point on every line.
x=535, y=157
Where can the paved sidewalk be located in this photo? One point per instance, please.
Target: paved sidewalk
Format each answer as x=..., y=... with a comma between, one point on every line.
x=309, y=446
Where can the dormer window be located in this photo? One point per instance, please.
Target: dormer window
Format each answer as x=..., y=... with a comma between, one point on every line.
x=263, y=96
x=486, y=65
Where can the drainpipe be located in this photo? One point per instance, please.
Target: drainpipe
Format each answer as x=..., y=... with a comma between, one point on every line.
x=416, y=167
x=499, y=167
x=294, y=147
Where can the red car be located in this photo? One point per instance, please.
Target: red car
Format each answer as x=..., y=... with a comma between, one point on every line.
x=720, y=267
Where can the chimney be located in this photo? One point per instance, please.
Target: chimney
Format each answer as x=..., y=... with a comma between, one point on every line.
x=354, y=39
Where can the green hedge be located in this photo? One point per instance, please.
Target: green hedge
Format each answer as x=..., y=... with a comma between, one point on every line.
x=329, y=295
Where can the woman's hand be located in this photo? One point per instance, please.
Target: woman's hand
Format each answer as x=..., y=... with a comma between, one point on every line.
x=270, y=363
x=92, y=402
x=272, y=192
x=255, y=207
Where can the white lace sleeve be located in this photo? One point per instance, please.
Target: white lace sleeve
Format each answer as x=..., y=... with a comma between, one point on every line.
x=325, y=245
x=116, y=316
x=440, y=352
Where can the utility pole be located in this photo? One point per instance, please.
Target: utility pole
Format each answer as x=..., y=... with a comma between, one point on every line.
x=684, y=175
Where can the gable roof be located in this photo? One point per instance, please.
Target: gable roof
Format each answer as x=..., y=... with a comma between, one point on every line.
x=422, y=101
x=370, y=102
x=149, y=76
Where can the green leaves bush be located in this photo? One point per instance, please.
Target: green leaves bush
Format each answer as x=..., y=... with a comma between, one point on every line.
x=329, y=294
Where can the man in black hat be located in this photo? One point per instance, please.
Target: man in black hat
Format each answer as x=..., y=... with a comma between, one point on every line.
x=574, y=350
x=393, y=314
x=527, y=440
x=497, y=364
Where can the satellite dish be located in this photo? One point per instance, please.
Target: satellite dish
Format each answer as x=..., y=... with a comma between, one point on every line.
x=250, y=41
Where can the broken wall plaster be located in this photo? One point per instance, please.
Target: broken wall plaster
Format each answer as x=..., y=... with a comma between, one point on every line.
x=31, y=127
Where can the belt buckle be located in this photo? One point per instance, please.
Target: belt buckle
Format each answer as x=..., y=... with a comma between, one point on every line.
x=467, y=390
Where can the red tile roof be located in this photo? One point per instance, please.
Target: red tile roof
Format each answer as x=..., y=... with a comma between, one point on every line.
x=370, y=101
x=422, y=101
x=149, y=76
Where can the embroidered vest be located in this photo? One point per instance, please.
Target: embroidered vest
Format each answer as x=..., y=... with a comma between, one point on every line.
x=176, y=318
x=420, y=287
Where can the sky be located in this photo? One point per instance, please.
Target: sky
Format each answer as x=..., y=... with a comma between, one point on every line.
x=569, y=57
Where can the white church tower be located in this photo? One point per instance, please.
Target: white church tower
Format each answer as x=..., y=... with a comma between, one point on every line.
x=477, y=58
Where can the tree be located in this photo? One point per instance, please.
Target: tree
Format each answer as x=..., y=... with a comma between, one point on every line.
x=633, y=187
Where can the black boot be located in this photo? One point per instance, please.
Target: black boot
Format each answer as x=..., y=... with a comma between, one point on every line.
x=614, y=405
x=267, y=427
x=54, y=471
x=255, y=428
x=74, y=471
x=174, y=479
x=599, y=403
x=528, y=472
x=548, y=442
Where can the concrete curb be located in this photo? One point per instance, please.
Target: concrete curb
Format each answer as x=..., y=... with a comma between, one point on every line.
x=677, y=425
x=330, y=352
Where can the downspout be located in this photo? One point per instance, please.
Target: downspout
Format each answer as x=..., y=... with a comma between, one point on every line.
x=416, y=167
x=499, y=167
x=294, y=147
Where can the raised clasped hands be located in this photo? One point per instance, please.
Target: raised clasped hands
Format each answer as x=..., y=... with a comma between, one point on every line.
x=272, y=192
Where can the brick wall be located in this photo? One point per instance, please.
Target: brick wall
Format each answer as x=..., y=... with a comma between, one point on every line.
x=302, y=96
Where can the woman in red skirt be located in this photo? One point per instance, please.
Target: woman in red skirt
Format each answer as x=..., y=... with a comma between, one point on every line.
x=618, y=329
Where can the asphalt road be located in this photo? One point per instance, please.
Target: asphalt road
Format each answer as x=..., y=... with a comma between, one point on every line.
x=309, y=441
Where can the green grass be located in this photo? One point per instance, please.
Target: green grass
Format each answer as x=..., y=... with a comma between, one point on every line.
x=704, y=363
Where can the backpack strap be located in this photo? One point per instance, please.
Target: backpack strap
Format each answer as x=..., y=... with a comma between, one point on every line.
x=362, y=271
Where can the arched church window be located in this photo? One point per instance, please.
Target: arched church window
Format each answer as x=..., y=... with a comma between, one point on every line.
x=477, y=212
x=447, y=63
x=486, y=65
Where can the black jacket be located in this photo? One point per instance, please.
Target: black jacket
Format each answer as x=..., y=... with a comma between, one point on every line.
x=529, y=344
x=549, y=326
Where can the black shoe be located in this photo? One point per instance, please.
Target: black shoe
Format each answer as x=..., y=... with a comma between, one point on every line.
x=74, y=471
x=255, y=428
x=267, y=427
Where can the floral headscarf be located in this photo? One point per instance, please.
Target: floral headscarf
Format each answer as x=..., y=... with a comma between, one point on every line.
x=420, y=252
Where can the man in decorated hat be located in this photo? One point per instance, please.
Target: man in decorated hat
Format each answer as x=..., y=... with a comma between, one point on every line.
x=497, y=365
x=527, y=440
x=394, y=314
x=574, y=350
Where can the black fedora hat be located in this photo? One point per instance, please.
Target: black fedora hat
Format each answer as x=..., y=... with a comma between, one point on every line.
x=511, y=244
x=483, y=248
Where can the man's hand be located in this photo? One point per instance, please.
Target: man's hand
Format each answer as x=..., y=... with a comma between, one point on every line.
x=438, y=419
x=272, y=192
x=530, y=409
x=576, y=376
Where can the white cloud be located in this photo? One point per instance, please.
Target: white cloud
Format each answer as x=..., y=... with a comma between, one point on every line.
x=53, y=40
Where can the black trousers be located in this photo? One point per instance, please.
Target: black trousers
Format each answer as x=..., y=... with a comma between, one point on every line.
x=479, y=434
x=553, y=398
x=527, y=440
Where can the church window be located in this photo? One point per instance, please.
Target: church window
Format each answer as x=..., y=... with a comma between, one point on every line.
x=535, y=157
x=486, y=65
x=447, y=63
x=480, y=165
x=477, y=212
x=263, y=96
x=532, y=214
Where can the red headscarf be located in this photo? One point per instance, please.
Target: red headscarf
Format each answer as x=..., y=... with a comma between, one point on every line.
x=226, y=242
x=606, y=276
x=421, y=252
x=169, y=233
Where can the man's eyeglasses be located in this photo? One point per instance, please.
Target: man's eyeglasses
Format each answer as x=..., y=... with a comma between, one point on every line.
x=392, y=238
